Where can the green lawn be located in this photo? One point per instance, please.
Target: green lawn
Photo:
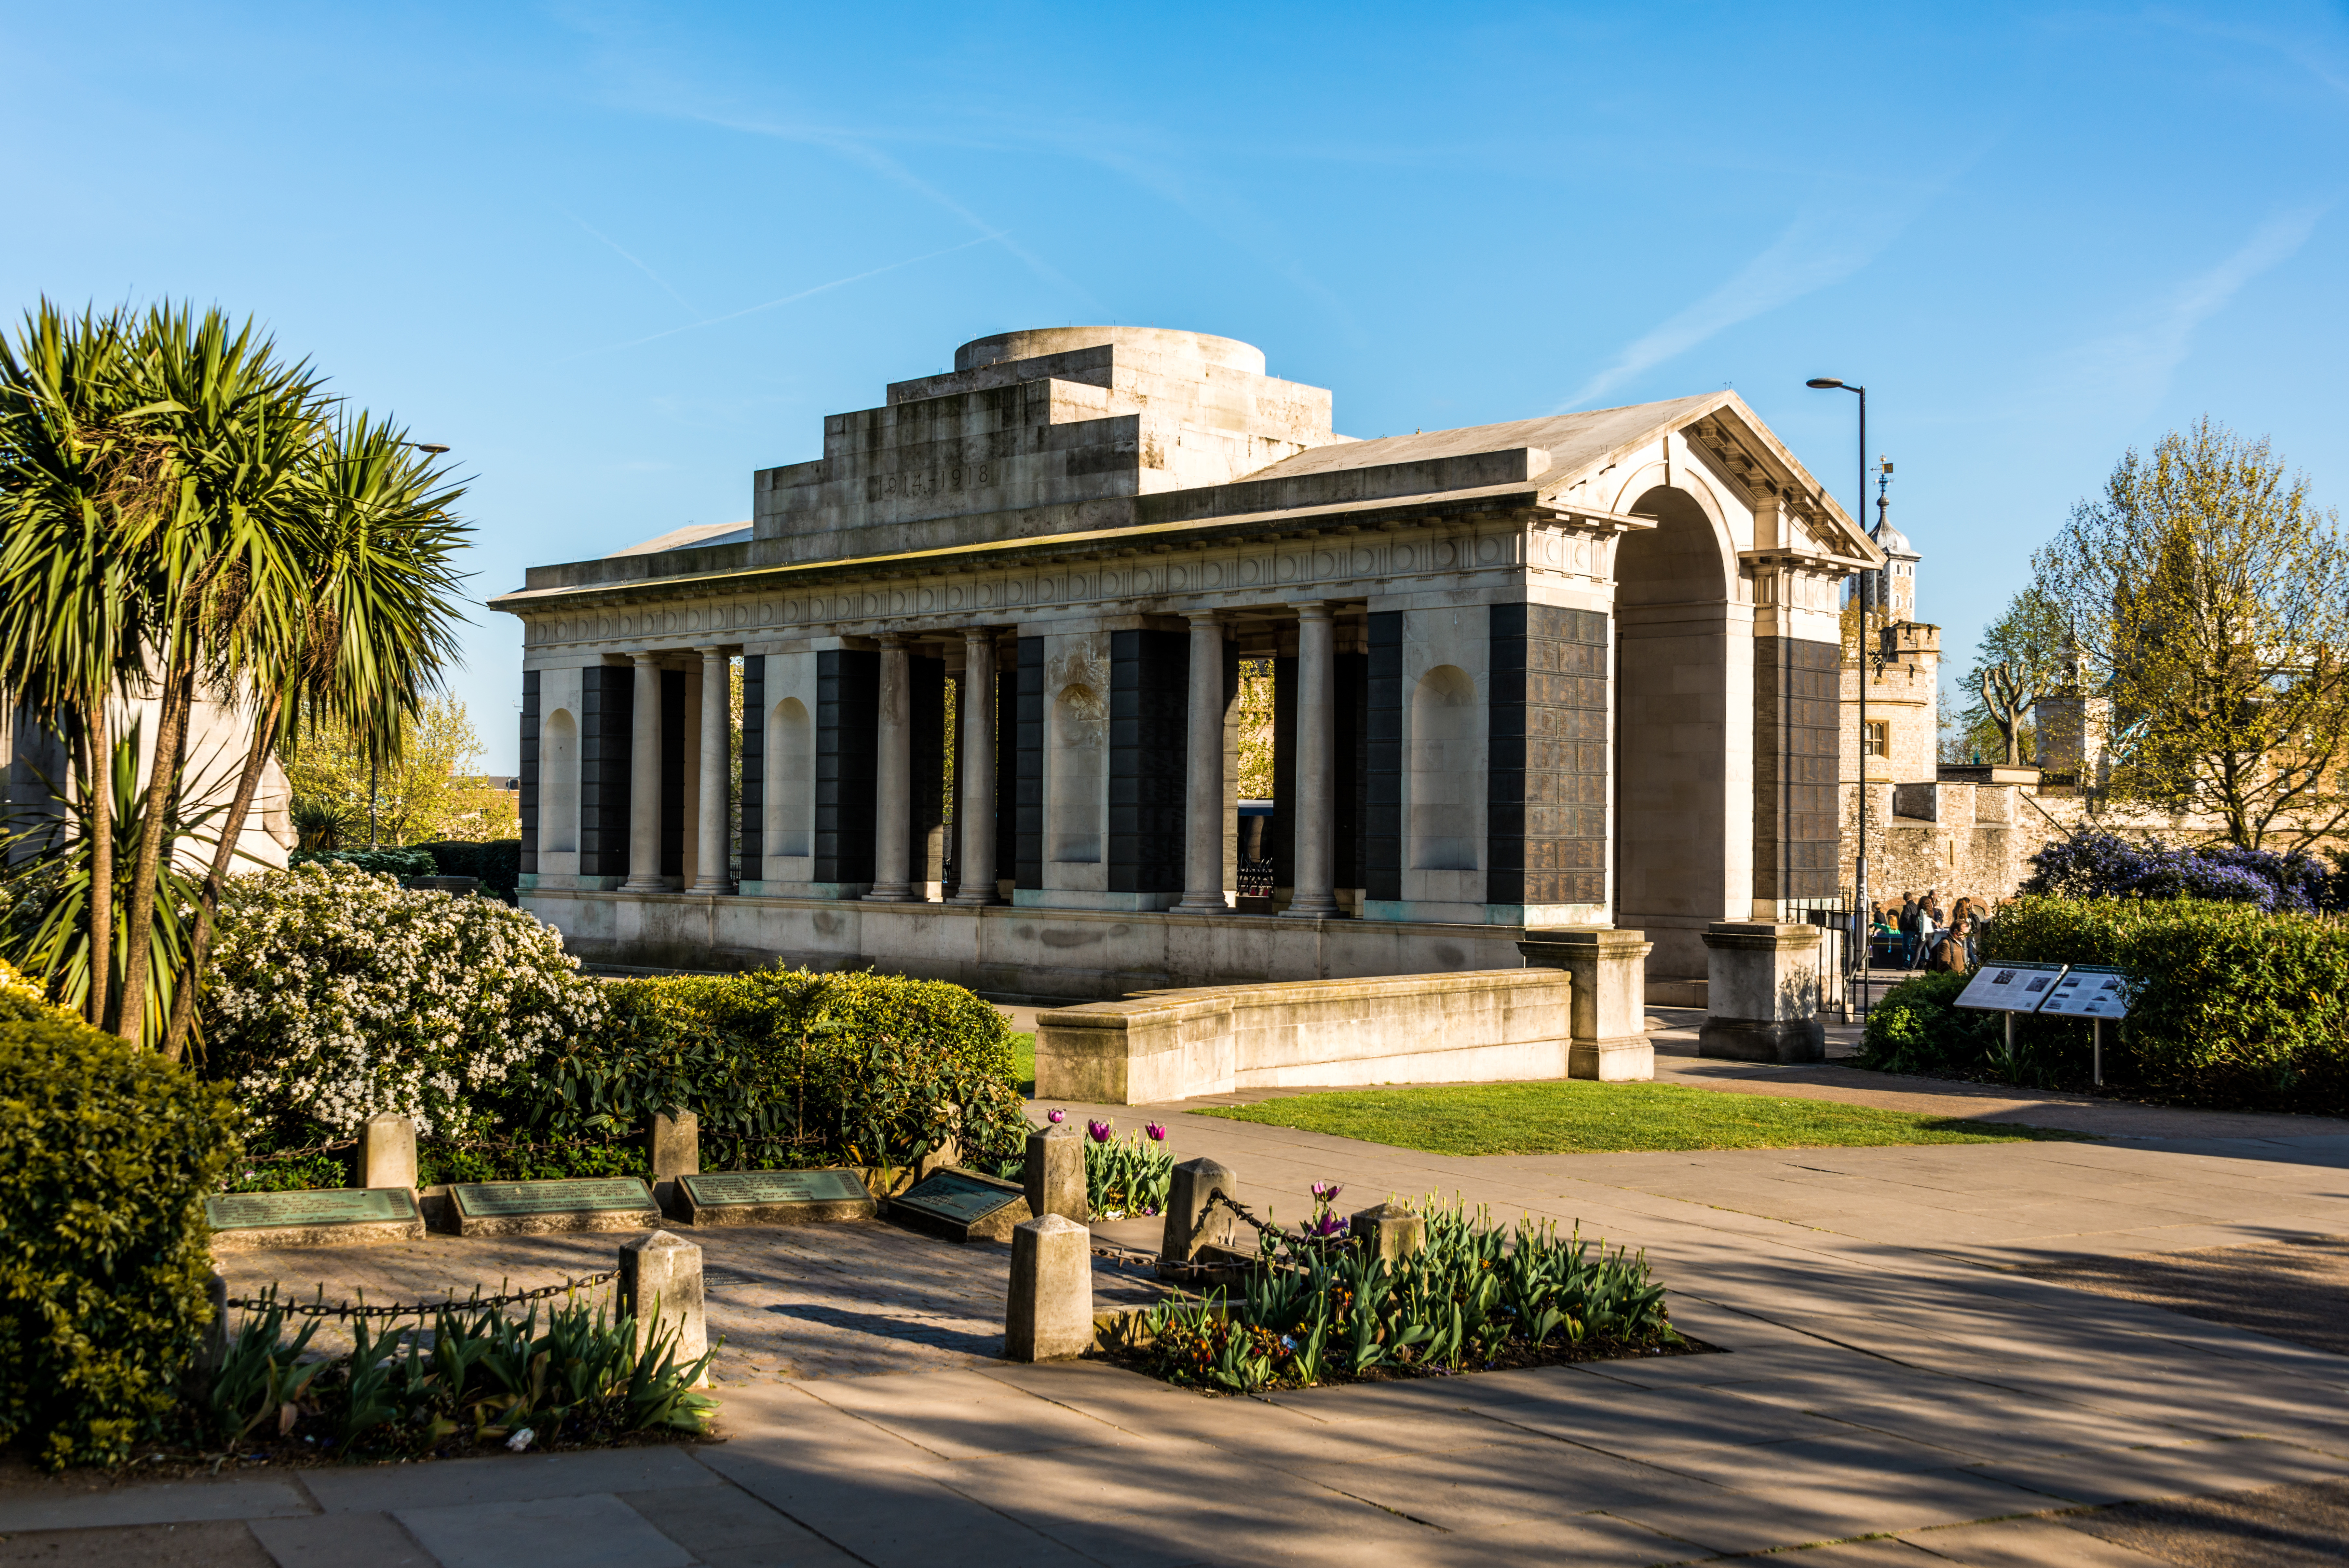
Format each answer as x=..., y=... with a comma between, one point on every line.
x=1023, y=1062
x=1581, y=1117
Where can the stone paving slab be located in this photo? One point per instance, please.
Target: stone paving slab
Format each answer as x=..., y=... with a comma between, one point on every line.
x=340, y=1540
x=597, y=1530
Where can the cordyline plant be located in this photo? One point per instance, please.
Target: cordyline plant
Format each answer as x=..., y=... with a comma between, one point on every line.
x=187, y=519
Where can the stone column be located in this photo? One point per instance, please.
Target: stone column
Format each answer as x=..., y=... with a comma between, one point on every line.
x=1203, y=795
x=661, y=1287
x=1607, y=1000
x=388, y=1152
x=893, y=769
x=1049, y=1310
x=974, y=769
x=1316, y=809
x=1762, y=994
x=717, y=725
x=644, y=780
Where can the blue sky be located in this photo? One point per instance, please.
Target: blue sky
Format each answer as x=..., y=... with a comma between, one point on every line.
x=620, y=256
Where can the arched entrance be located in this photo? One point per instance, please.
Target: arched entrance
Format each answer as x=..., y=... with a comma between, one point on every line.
x=1674, y=842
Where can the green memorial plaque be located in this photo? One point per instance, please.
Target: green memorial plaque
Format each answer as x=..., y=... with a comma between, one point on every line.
x=775, y=1187
x=328, y=1206
x=773, y=1197
x=962, y=1206
x=519, y=1200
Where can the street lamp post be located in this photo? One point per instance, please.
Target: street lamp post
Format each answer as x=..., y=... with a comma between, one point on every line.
x=1861, y=922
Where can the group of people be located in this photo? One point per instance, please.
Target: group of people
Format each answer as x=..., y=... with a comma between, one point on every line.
x=1919, y=935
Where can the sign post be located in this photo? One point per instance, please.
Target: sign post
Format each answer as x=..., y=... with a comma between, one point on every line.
x=2093, y=991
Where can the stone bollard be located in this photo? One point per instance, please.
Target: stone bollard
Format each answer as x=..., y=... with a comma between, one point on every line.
x=1055, y=1173
x=674, y=1146
x=661, y=1287
x=212, y=1351
x=1391, y=1232
x=1606, y=1002
x=388, y=1152
x=1763, y=993
x=1048, y=1315
x=1191, y=1224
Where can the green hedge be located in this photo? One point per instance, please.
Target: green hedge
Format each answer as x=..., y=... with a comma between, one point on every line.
x=104, y=1250
x=2232, y=1006
x=496, y=861
x=787, y=1067
x=394, y=862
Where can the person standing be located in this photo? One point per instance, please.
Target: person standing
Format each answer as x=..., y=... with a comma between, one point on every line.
x=1912, y=931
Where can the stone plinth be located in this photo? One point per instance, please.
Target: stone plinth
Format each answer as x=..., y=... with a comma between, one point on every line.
x=674, y=1143
x=388, y=1152
x=1609, y=1006
x=1390, y=1230
x=1193, y=1220
x=1055, y=1175
x=661, y=1287
x=1764, y=993
x=1483, y=1026
x=1048, y=1315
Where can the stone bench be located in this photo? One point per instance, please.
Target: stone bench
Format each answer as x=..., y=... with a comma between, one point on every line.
x=1482, y=1026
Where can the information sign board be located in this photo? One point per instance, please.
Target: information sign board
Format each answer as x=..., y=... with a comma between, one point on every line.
x=2011, y=987
x=315, y=1217
x=529, y=1208
x=2089, y=991
x=962, y=1206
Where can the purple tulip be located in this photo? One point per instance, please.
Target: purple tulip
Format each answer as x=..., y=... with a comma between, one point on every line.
x=1157, y=1131
x=1056, y=1116
x=1325, y=1191
x=1100, y=1130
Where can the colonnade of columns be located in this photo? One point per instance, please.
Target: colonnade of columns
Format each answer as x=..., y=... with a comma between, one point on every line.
x=1207, y=801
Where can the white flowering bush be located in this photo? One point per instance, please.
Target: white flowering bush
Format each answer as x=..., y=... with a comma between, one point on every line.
x=336, y=994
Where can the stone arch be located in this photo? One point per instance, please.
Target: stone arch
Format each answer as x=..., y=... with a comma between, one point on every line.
x=1442, y=738
x=1076, y=742
x=1674, y=833
x=790, y=826
x=558, y=783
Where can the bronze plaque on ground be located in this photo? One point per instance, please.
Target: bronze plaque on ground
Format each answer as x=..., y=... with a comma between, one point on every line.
x=774, y=1196
x=526, y=1208
x=961, y=1206
x=315, y=1217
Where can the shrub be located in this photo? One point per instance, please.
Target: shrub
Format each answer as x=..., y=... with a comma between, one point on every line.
x=104, y=1252
x=1914, y=1029
x=2107, y=865
x=787, y=1067
x=389, y=862
x=335, y=994
x=2232, y=1006
x=496, y=861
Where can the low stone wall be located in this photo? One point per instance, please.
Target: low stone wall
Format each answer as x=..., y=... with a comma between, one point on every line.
x=1485, y=1026
x=1006, y=951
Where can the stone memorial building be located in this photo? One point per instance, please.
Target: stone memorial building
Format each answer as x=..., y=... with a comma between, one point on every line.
x=1572, y=671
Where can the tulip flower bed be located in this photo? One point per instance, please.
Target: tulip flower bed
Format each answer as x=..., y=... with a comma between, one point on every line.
x=1318, y=1308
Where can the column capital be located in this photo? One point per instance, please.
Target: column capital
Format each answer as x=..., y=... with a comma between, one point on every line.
x=890, y=639
x=1313, y=610
x=645, y=657
x=710, y=649
x=1202, y=618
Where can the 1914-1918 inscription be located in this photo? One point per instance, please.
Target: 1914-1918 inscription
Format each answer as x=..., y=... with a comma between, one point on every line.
x=962, y=1206
x=318, y=1216
x=774, y=1196
x=522, y=1208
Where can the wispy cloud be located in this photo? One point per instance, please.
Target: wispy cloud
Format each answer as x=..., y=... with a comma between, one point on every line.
x=632, y=260
x=1818, y=248
x=2138, y=362
x=782, y=300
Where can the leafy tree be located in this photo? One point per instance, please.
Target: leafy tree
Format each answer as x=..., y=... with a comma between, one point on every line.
x=2025, y=654
x=2209, y=597
x=424, y=786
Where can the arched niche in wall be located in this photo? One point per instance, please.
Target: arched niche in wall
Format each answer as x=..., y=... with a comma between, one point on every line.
x=1076, y=745
x=791, y=780
x=1444, y=771
x=558, y=783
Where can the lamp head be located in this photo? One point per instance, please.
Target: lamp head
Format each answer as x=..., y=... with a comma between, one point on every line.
x=428, y=446
x=1822, y=383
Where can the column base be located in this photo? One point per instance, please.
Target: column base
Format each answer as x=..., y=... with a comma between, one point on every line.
x=1628, y=1060
x=900, y=894
x=647, y=884
x=711, y=887
x=976, y=900
x=1201, y=904
x=1312, y=909
x=1762, y=1040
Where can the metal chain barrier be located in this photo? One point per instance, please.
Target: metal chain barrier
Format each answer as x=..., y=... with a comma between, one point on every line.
x=476, y=1302
x=281, y=1156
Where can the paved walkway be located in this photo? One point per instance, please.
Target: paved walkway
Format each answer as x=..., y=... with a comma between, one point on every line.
x=1896, y=1379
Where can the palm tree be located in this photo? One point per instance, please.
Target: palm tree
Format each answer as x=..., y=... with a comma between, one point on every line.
x=357, y=634
x=86, y=472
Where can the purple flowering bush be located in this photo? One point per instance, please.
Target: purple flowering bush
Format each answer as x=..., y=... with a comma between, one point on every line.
x=2107, y=865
